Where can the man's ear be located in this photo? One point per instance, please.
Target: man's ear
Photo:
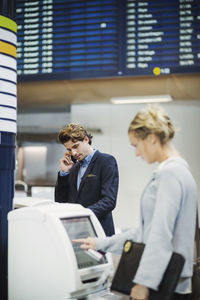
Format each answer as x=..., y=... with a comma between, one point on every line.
x=86, y=139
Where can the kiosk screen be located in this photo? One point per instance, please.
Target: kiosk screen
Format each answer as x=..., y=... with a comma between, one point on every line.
x=81, y=227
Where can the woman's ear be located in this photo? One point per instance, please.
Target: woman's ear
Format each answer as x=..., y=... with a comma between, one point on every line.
x=153, y=138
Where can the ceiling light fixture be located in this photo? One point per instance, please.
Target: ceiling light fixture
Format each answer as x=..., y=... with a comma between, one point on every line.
x=141, y=99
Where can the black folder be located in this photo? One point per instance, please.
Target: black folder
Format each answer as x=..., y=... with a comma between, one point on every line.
x=123, y=279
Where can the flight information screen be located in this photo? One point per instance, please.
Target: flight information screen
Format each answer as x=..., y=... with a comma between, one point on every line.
x=72, y=39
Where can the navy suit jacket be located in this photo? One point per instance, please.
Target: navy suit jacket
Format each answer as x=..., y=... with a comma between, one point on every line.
x=97, y=191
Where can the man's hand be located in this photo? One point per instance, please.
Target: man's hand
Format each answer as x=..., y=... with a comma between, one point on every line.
x=139, y=292
x=66, y=163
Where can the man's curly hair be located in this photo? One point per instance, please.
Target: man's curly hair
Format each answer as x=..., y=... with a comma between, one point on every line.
x=73, y=132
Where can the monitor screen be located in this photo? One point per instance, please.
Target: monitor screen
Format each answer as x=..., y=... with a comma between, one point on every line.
x=81, y=227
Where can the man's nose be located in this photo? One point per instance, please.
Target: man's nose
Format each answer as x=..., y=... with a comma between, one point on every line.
x=73, y=152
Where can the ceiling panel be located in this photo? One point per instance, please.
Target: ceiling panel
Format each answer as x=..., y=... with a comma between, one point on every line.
x=65, y=92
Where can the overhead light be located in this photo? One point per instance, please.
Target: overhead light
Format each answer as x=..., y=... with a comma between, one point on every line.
x=141, y=99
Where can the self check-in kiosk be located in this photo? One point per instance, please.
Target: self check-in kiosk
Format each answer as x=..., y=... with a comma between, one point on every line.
x=44, y=263
x=19, y=202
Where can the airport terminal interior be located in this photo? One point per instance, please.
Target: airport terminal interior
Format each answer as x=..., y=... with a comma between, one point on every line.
x=96, y=63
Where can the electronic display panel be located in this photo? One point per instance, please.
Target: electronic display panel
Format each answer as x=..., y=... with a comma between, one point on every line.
x=162, y=37
x=74, y=39
x=81, y=227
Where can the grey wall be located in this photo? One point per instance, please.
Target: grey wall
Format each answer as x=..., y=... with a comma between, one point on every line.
x=114, y=120
x=41, y=159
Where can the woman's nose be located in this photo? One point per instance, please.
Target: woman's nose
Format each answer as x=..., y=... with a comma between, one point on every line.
x=137, y=153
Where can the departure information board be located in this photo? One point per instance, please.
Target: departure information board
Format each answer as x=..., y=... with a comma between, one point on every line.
x=75, y=39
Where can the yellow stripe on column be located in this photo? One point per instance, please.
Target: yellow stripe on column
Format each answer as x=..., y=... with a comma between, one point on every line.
x=8, y=23
x=8, y=49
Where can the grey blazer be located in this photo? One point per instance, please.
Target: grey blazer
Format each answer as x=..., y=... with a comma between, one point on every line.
x=167, y=224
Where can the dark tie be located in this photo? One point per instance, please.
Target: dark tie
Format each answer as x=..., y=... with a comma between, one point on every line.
x=77, y=167
x=79, y=176
x=81, y=162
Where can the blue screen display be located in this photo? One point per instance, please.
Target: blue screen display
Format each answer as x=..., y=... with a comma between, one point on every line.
x=74, y=39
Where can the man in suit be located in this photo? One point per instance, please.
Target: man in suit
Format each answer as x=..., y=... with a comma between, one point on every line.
x=87, y=176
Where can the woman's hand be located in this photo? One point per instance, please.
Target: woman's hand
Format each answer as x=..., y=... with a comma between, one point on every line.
x=88, y=243
x=139, y=292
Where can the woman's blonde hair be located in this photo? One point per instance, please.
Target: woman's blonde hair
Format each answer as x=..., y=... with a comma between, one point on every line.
x=152, y=119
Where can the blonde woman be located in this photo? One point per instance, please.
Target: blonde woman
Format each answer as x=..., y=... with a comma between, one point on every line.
x=168, y=207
